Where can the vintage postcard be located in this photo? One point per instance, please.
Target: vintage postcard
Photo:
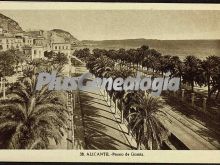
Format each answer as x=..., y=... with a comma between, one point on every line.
x=109, y=82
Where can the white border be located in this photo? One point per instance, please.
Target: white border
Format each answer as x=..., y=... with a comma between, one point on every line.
x=73, y=155
x=6, y=5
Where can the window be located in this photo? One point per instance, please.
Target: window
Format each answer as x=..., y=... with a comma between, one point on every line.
x=56, y=47
x=35, y=52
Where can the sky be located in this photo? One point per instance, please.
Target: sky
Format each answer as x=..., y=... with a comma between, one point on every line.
x=123, y=24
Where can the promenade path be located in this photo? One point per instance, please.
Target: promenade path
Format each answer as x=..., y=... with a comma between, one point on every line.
x=102, y=130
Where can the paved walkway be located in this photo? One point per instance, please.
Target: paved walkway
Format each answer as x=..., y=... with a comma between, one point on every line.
x=102, y=131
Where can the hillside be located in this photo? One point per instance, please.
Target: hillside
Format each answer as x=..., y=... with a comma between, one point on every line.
x=60, y=35
x=55, y=35
x=9, y=24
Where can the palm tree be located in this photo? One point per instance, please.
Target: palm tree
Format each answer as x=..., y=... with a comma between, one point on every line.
x=177, y=68
x=165, y=64
x=7, y=63
x=153, y=60
x=210, y=68
x=132, y=54
x=99, y=52
x=122, y=56
x=29, y=119
x=123, y=73
x=112, y=54
x=192, y=68
x=99, y=66
x=215, y=77
x=82, y=53
x=149, y=130
x=143, y=52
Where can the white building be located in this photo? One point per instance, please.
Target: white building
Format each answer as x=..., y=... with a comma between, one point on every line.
x=64, y=48
x=37, y=52
x=7, y=43
x=29, y=41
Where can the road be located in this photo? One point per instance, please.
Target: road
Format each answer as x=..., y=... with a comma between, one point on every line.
x=102, y=130
x=193, y=134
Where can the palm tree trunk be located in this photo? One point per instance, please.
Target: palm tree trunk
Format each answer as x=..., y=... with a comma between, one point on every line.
x=129, y=119
x=110, y=101
x=138, y=140
x=107, y=95
x=208, y=84
x=16, y=70
x=138, y=146
x=116, y=102
x=145, y=127
x=217, y=95
x=180, y=82
x=192, y=86
x=122, y=115
x=74, y=101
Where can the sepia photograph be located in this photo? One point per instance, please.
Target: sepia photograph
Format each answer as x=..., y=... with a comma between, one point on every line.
x=109, y=79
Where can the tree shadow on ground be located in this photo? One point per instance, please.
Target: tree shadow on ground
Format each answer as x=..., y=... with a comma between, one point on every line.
x=96, y=131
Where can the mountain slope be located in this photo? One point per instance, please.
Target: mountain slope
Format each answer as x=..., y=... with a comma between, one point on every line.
x=60, y=35
x=9, y=24
x=55, y=35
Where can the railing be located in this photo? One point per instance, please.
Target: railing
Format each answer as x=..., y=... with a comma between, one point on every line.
x=73, y=139
x=193, y=101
